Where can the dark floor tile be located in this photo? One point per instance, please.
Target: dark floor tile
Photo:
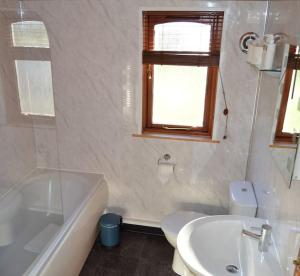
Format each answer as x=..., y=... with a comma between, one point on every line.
x=91, y=265
x=118, y=266
x=149, y=268
x=101, y=262
x=87, y=271
x=91, y=269
x=158, y=250
x=99, y=250
x=137, y=255
x=104, y=271
x=128, y=264
x=132, y=244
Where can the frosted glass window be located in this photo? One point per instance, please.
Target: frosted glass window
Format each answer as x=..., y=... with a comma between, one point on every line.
x=35, y=87
x=292, y=115
x=29, y=34
x=179, y=95
x=182, y=36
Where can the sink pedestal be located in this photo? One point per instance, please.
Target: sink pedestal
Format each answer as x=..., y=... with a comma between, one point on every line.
x=178, y=265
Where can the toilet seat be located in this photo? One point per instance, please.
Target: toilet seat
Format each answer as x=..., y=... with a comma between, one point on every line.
x=172, y=224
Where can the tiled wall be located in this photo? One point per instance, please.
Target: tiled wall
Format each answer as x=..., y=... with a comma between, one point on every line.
x=96, y=68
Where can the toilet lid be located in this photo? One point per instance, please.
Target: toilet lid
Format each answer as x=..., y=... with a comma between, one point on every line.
x=172, y=223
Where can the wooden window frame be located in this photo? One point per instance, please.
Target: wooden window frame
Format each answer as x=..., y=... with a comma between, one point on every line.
x=293, y=64
x=209, y=60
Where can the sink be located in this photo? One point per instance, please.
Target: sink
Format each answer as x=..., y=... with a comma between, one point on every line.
x=214, y=246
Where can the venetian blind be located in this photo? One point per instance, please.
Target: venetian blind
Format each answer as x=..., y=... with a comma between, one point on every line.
x=182, y=38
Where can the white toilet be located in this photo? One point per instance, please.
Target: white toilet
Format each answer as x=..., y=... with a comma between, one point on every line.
x=242, y=202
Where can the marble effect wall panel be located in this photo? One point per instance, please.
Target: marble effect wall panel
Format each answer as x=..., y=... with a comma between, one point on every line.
x=95, y=48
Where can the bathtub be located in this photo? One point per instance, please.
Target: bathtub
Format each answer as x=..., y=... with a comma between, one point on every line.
x=71, y=203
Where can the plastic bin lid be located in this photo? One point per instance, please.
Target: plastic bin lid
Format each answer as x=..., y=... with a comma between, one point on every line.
x=110, y=219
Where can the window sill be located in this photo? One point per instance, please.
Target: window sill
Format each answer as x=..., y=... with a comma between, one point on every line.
x=188, y=138
x=283, y=145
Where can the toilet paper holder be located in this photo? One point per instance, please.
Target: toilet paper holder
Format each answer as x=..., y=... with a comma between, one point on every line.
x=165, y=159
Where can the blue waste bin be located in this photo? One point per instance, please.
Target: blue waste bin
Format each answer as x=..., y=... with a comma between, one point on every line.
x=110, y=229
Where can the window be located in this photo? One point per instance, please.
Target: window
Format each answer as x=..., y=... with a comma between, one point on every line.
x=288, y=123
x=35, y=87
x=33, y=68
x=181, y=53
x=29, y=34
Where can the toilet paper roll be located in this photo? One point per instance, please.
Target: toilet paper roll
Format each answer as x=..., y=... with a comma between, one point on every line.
x=165, y=172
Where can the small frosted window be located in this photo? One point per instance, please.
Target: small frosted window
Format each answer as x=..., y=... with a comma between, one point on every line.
x=35, y=87
x=182, y=36
x=29, y=34
x=179, y=91
x=292, y=115
x=179, y=95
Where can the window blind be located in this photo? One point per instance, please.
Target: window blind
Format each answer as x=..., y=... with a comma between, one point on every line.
x=294, y=58
x=182, y=38
x=294, y=62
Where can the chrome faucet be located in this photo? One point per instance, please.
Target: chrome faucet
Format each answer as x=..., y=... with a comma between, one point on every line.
x=264, y=237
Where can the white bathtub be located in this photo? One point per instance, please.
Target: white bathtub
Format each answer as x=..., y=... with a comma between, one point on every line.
x=78, y=200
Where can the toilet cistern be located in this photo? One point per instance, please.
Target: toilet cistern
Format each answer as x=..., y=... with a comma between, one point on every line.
x=264, y=237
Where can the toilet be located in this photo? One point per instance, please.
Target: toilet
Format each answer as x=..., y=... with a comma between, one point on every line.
x=242, y=202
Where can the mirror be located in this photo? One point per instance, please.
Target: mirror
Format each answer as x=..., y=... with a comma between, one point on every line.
x=286, y=124
x=284, y=158
x=296, y=173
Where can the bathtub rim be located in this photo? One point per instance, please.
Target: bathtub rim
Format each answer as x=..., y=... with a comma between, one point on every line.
x=18, y=186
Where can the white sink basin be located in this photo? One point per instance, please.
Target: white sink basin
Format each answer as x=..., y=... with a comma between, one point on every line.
x=208, y=245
